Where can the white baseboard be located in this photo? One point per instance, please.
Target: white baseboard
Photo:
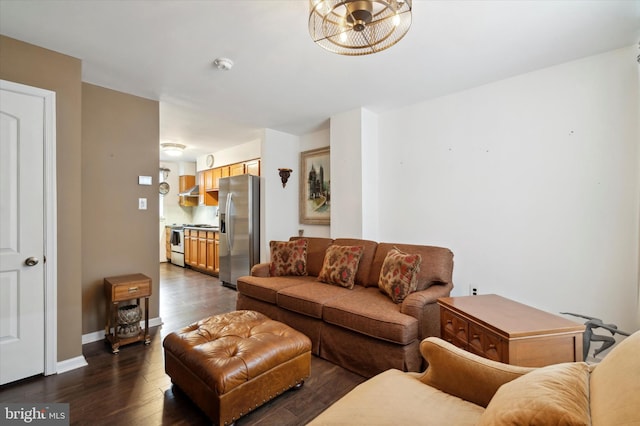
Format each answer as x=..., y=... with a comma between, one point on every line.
x=99, y=335
x=71, y=364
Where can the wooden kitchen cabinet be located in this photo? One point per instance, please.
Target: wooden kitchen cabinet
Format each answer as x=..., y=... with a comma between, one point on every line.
x=202, y=250
x=215, y=180
x=187, y=247
x=219, y=172
x=167, y=245
x=208, y=195
x=236, y=169
x=252, y=167
x=210, y=183
x=211, y=252
x=193, y=248
x=187, y=182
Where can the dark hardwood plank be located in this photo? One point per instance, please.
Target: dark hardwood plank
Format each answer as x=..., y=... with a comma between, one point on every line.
x=131, y=388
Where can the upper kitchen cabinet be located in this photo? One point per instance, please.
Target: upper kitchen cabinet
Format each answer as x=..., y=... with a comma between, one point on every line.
x=187, y=182
x=209, y=179
x=208, y=194
x=236, y=169
x=252, y=167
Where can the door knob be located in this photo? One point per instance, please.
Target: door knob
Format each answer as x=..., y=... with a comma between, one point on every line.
x=31, y=261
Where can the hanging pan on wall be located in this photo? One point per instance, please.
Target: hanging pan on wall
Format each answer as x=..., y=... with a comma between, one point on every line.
x=164, y=186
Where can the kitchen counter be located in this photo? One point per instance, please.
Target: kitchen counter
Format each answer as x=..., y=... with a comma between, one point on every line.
x=204, y=228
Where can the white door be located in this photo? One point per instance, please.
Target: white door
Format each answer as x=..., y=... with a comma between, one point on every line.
x=22, y=273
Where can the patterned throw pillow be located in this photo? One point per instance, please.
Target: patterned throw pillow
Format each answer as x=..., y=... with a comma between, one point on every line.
x=398, y=274
x=341, y=265
x=288, y=258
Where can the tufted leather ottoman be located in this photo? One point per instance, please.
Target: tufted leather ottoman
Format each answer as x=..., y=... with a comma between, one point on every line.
x=232, y=363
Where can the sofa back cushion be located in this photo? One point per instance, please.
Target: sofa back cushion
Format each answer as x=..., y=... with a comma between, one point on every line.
x=436, y=266
x=288, y=258
x=341, y=265
x=369, y=250
x=399, y=274
x=615, y=385
x=316, y=248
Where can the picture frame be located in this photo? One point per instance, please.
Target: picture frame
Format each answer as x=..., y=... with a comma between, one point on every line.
x=315, y=187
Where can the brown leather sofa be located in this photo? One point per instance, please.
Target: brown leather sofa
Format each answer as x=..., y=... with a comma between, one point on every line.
x=460, y=388
x=361, y=329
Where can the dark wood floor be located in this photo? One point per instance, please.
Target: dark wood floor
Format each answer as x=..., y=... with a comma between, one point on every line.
x=131, y=388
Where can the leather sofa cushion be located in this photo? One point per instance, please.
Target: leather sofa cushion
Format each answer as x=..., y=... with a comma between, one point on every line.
x=309, y=298
x=364, y=267
x=315, y=253
x=266, y=288
x=368, y=311
x=436, y=266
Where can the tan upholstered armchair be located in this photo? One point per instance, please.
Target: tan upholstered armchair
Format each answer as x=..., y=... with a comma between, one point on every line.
x=459, y=388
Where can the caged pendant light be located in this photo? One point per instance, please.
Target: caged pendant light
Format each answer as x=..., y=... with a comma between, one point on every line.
x=358, y=27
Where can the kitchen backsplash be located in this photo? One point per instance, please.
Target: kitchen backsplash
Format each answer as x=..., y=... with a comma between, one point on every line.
x=205, y=214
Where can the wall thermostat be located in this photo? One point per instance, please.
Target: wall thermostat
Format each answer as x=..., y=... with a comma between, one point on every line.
x=144, y=180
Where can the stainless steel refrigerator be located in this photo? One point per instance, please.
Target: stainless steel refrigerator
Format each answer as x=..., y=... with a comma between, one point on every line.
x=239, y=209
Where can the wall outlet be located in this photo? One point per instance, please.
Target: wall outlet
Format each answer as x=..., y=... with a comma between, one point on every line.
x=142, y=203
x=473, y=290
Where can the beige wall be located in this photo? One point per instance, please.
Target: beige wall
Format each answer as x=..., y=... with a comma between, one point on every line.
x=34, y=66
x=120, y=141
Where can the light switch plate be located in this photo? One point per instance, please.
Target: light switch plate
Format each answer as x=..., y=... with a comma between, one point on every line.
x=142, y=203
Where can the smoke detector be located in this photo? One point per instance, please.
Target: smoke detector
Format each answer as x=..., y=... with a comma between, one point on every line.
x=223, y=64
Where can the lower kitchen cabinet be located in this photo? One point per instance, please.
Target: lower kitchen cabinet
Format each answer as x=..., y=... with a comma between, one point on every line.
x=201, y=250
x=167, y=245
x=211, y=253
x=193, y=248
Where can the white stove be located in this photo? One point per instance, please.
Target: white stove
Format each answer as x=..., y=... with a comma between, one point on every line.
x=177, y=245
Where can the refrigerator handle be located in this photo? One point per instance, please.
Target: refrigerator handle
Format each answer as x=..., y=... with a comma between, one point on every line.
x=229, y=233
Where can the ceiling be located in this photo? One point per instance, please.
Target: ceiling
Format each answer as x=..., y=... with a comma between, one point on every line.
x=164, y=50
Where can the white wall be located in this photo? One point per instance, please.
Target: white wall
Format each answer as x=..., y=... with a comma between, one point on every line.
x=346, y=174
x=371, y=195
x=173, y=212
x=533, y=182
x=235, y=154
x=279, y=206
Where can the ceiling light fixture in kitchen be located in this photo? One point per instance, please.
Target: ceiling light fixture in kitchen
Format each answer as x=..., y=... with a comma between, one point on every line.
x=358, y=27
x=172, y=149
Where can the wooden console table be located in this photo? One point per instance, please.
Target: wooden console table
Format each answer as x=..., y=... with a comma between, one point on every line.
x=503, y=330
x=120, y=289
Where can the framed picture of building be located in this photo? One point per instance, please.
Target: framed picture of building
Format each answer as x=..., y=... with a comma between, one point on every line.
x=315, y=187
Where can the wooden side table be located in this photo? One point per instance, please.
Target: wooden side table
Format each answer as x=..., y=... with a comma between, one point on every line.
x=503, y=330
x=121, y=289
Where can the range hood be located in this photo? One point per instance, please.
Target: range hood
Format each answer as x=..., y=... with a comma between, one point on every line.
x=193, y=192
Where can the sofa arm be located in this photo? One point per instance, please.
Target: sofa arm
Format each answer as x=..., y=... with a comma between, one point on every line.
x=260, y=270
x=422, y=306
x=463, y=374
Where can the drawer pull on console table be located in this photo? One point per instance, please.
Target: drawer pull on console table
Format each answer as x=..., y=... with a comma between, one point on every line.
x=503, y=330
x=121, y=289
